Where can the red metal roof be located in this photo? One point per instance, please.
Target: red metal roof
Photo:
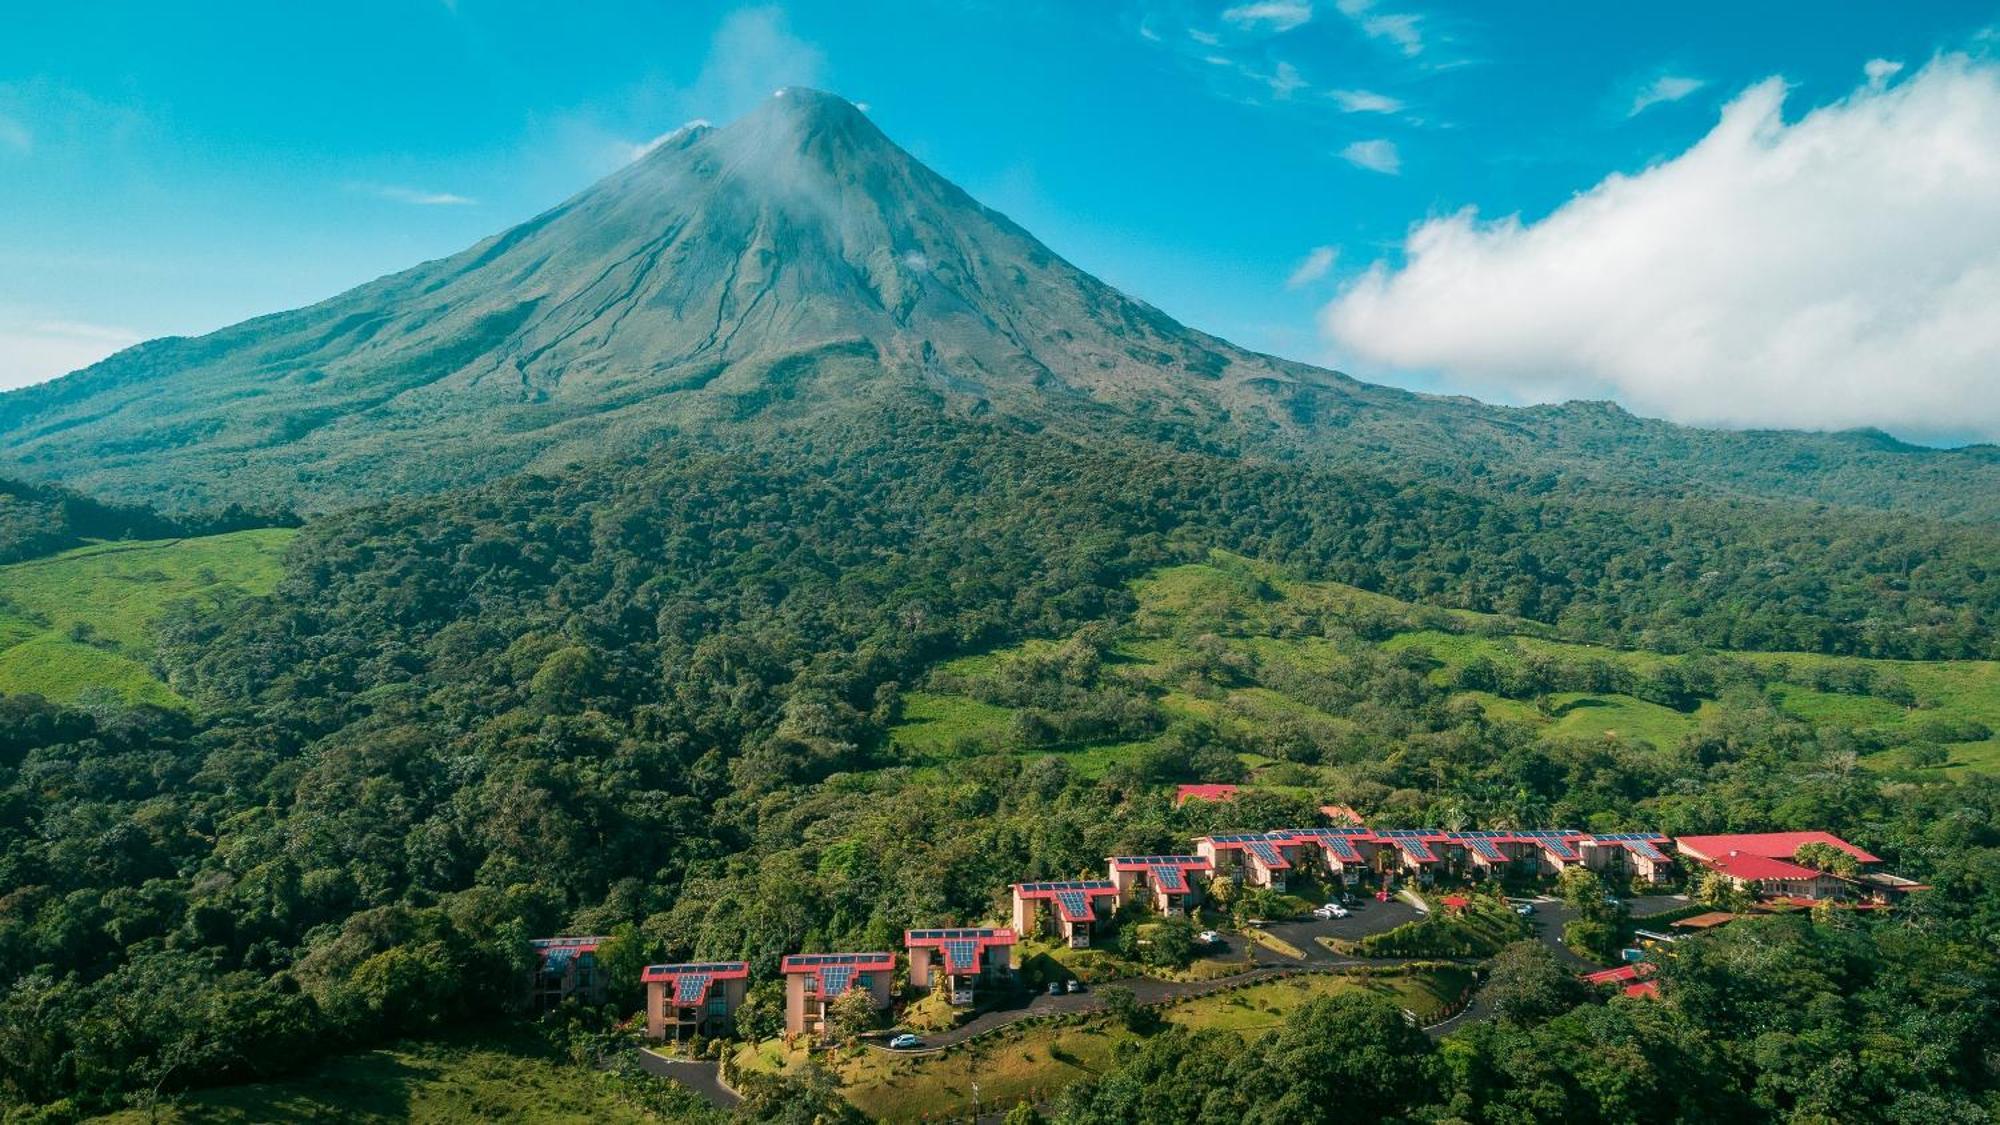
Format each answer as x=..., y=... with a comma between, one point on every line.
x=1341, y=814
x=1648, y=989
x=1638, y=970
x=1770, y=845
x=962, y=949
x=1742, y=865
x=1072, y=896
x=1207, y=792
x=690, y=981
x=831, y=974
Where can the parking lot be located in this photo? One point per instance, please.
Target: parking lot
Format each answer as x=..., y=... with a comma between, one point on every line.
x=1368, y=917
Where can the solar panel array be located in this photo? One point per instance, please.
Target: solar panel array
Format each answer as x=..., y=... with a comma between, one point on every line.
x=1339, y=841
x=689, y=988
x=691, y=981
x=1643, y=844
x=1096, y=886
x=961, y=955
x=1485, y=848
x=833, y=979
x=1075, y=905
x=813, y=960
x=974, y=933
x=1267, y=852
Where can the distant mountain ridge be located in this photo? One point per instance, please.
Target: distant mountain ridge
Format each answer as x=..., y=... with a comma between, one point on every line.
x=791, y=266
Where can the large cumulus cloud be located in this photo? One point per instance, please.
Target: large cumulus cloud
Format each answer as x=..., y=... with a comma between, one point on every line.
x=1839, y=270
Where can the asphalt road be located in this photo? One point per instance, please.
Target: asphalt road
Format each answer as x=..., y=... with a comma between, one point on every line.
x=1552, y=913
x=704, y=1078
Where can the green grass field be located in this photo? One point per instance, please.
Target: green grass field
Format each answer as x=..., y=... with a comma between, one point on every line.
x=1280, y=623
x=80, y=623
x=439, y=1083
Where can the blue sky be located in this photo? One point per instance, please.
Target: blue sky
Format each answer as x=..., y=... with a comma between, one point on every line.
x=170, y=172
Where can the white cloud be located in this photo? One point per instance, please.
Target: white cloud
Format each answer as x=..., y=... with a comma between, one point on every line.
x=15, y=135
x=1315, y=266
x=1275, y=16
x=32, y=350
x=1399, y=29
x=421, y=197
x=1841, y=270
x=1365, y=101
x=753, y=51
x=1665, y=88
x=634, y=151
x=1879, y=71
x=1285, y=81
x=1376, y=156
x=1206, y=39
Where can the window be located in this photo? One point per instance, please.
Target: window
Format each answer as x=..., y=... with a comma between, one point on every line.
x=718, y=1005
x=861, y=981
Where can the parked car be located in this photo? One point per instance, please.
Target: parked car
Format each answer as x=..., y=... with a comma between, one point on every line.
x=1524, y=908
x=1330, y=910
x=905, y=1042
x=1209, y=937
x=1076, y=986
x=1055, y=988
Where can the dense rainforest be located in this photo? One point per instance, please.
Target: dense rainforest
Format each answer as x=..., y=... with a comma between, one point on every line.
x=653, y=697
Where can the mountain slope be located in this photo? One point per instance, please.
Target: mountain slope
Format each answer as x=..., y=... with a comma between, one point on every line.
x=792, y=265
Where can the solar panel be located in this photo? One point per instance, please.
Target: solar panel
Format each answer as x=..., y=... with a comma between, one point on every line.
x=689, y=988
x=1416, y=849
x=833, y=979
x=1172, y=879
x=961, y=955
x=1075, y=905
x=1559, y=847
x=1485, y=848
x=1265, y=851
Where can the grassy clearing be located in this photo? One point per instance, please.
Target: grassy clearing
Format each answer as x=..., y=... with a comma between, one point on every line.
x=1277, y=624
x=443, y=1083
x=80, y=623
x=1037, y=1061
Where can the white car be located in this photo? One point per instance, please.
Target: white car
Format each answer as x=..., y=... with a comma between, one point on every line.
x=1330, y=910
x=1208, y=937
x=905, y=1043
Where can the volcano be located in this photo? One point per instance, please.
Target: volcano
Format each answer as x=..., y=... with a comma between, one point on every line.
x=793, y=266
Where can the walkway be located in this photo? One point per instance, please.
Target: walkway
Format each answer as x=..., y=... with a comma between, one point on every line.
x=704, y=1078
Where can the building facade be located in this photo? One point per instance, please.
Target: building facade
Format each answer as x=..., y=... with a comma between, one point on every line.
x=960, y=962
x=813, y=981
x=694, y=999
x=1067, y=909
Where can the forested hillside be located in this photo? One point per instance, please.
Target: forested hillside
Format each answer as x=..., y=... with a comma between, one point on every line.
x=663, y=698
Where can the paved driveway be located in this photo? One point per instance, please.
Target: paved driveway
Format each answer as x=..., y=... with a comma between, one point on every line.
x=704, y=1078
x=1552, y=913
x=1371, y=917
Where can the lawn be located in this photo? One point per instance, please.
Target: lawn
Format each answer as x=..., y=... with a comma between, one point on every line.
x=81, y=622
x=446, y=1083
